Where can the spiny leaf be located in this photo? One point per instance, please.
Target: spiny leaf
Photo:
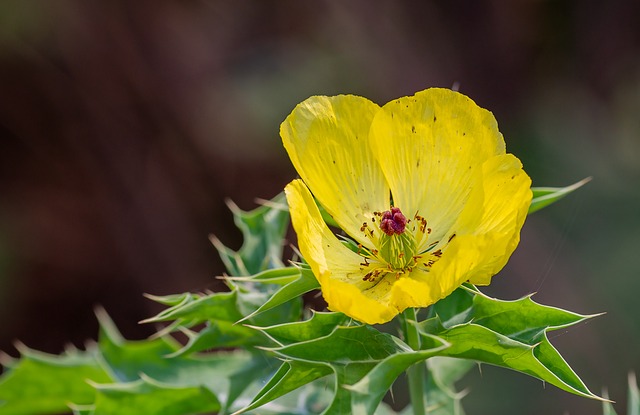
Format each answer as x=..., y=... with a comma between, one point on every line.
x=279, y=276
x=369, y=391
x=441, y=393
x=320, y=324
x=217, y=335
x=192, y=311
x=291, y=376
x=347, y=374
x=148, y=396
x=252, y=300
x=633, y=400
x=364, y=363
x=127, y=359
x=226, y=374
x=223, y=312
x=39, y=383
x=544, y=196
x=174, y=299
x=521, y=319
x=607, y=407
x=511, y=334
x=220, y=312
x=345, y=344
x=304, y=283
x=263, y=231
x=475, y=342
x=349, y=353
x=82, y=409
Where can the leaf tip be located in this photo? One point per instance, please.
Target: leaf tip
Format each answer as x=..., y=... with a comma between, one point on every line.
x=5, y=359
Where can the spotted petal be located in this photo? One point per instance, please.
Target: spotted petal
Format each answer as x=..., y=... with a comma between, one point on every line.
x=422, y=288
x=336, y=267
x=507, y=196
x=327, y=141
x=431, y=148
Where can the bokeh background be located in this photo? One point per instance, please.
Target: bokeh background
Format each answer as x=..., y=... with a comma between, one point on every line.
x=126, y=124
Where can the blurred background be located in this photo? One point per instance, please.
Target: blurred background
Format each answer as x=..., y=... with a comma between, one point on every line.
x=126, y=125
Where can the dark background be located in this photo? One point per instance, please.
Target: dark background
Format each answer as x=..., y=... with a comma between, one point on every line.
x=126, y=124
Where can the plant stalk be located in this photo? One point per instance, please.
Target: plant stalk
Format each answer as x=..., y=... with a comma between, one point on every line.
x=416, y=373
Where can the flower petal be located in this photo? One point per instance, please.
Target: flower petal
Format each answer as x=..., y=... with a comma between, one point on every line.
x=336, y=267
x=431, y=147
x=423, y=288
x=507, y=196
x=327, y=141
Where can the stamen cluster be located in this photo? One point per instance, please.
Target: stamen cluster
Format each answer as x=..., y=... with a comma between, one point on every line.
x=397, y=246
x=393, y=222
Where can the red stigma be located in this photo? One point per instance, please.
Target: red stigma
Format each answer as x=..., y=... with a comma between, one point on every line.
x=393, y=221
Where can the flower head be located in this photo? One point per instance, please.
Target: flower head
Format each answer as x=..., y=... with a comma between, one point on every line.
x=424, y=187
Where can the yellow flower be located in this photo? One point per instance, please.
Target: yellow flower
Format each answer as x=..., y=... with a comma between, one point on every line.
x=424, y=187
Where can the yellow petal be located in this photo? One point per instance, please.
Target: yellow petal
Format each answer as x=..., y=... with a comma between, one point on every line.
x=431, y=147
x=327, y=141
x=507, y=196
x=423, y=288
x=336, y=267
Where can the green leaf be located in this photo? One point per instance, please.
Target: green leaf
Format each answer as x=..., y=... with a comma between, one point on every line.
x=223, y=312
x=319, y=325
x=278, y=276
x=544, y=196
x=128, y=359
x=369, y=391
x=263, y=230
x=541, y=360
x=326, y=216
x=345, y=344
x=218, y=306
x=522, y=319
x=220, y=313
x=148, y=396
x=224, y=374
x=304, y=283
x=441, y=393
x=510, y=334
x=250, y=301
x=82, y=409
x=39, y=383
x=291, y=376
x=607, y=407
x=633, y=400
x=348, y=374
x=217, y=335
x=174, y=299
x=294, y=374
x=364, y=362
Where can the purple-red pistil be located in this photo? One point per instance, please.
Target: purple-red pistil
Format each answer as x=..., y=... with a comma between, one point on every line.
x=393, y=222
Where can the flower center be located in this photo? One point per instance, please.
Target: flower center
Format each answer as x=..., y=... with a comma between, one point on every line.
x=397, y=247
x=393, y=222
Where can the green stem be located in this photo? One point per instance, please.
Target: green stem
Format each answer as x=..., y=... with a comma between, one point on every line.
x=416, y=373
